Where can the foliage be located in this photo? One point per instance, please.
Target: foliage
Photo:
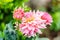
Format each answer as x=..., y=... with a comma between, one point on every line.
x=1, y=35
x=56, y=15
x=55, y=5
x=6, y=9
x=56, y=21
x=11, y=34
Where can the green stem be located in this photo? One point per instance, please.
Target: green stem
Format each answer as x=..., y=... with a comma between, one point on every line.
x=34, y=38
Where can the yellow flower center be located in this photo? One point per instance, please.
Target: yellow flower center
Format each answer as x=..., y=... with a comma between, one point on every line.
x=30, y=19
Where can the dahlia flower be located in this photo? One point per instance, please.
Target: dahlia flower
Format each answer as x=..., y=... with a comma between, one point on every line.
x=18, y=13
x=47, y=17
x=33, y=22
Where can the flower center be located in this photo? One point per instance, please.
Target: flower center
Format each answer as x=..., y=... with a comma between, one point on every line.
x=30, y=19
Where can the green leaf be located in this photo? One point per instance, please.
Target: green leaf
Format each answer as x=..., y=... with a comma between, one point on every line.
x=10, y=33
x=7, y=0
x=2, y=26
x=1, y=16
x=1, y=35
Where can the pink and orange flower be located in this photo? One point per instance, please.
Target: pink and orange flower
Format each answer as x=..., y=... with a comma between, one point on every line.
x=32, y=22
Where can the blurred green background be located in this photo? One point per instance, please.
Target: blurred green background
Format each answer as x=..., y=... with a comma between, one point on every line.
x=6, y=10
